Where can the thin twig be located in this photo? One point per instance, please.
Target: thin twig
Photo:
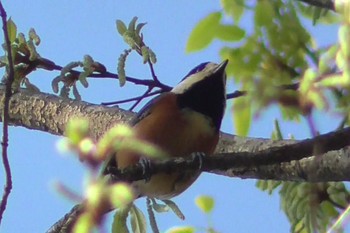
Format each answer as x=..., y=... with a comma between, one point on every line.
x=8, y=93
x=133, y=99
x=236, y=94
x=140, y=98
x=47, y=64
x=155, y=78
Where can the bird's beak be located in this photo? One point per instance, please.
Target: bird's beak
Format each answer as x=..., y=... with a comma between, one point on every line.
x=220, y=69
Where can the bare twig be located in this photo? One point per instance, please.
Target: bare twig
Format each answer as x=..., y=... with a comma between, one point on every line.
x=139, y=100
x=329, y=4
x=236, y=94
x=133, y=99
x=50, y=65
x=8, y=93
x=155, y=78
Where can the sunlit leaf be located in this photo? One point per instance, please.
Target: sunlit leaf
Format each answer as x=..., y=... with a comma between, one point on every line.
x=138, y=220
x=264, y=13
x=120, y=195
x=234, y=8
x=84, y=224
x=119, y=221
x=12, y=30
x=172, y=205
x=344, y=37
x=121, y=27
x=34, y=36
x=241, y=116
x=77, y=129
x=205, y=203
x=132, y=23
x=186, y=229
x=86, y=146
x=229, y=33
x=203, y=33
x=325, y=62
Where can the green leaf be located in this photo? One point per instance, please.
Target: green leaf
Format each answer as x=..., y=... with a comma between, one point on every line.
x=205, y=203
x=344, y=36
x=316, y=15
x=145, y=54
x=137, y=220
x=186, y=229
x=325, y=61
x=33, y=36
x=343, y=7
x=83, y=78
x=172, y=205
x=234, y=8
x=139, y=27
x=241, y=116
x=230, y=33
x=264, y=13
x=267, y=185
x=277, y=133
x=121, y=194
x=84, y=224
x=132, y=24
x=121, y=27
x=121, y=67
x=119, y=222
x=77, y=129
x=12, y=30
x=159, y=208
x=203, y=33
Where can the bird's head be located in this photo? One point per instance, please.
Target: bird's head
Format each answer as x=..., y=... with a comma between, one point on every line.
x=204, y=90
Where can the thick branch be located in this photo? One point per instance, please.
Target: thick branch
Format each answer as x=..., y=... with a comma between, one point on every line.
x=289, y=162
x=50, y=113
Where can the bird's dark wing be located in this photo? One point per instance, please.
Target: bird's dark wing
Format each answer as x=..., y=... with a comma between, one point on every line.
x=145, y=110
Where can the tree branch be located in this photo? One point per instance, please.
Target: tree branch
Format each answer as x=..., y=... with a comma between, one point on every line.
x=329, y=4
x=290, y=162
x=5, y=114
x=308, y=160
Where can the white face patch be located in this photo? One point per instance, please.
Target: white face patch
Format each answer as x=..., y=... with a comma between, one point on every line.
x=194, y=78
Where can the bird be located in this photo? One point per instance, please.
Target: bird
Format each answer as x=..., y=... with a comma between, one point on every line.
x=182, y=122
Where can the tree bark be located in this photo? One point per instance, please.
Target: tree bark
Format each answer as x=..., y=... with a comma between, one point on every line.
x=50, y=114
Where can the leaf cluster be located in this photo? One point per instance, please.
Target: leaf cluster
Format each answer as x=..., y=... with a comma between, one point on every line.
x=134, y=38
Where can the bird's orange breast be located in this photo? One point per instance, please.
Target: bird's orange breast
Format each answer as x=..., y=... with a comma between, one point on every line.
x=178, y=132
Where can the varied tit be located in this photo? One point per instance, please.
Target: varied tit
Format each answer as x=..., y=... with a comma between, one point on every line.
x=181, y=122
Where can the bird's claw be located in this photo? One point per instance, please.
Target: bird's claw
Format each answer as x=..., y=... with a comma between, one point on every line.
x=197, y=158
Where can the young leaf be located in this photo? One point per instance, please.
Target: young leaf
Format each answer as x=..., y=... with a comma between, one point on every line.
x=241, y=116
x=186, y=229
x=138, y=220
x=119, y=222
x=203, y=33
x=234, y=8
x=230, y=33
x=132, y=24
x=12, y=30
x=121, y=27
x=205, y=203
x=172, y=205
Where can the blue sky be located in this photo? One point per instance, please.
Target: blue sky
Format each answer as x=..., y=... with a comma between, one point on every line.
x=71, y=29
